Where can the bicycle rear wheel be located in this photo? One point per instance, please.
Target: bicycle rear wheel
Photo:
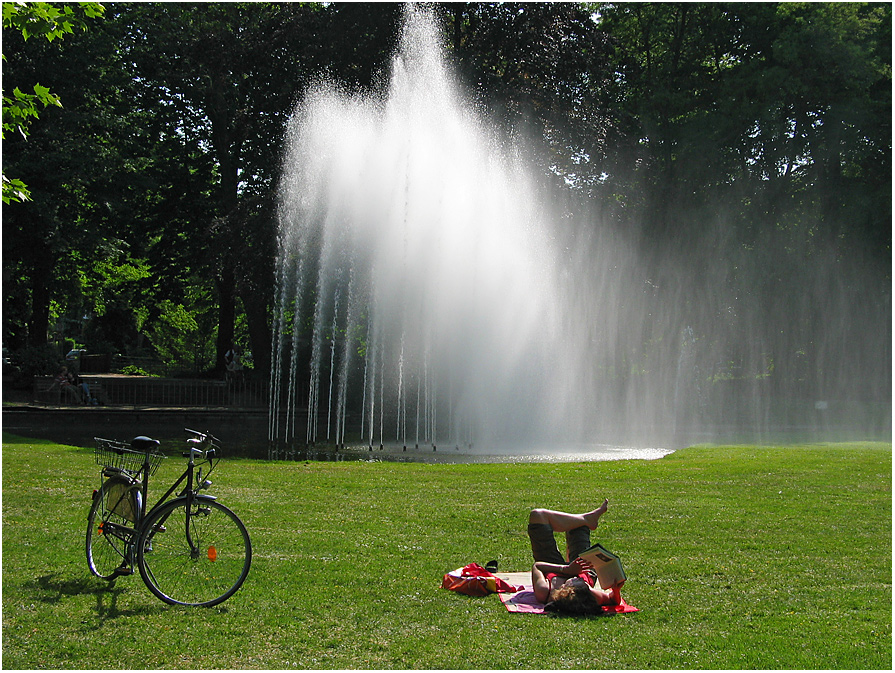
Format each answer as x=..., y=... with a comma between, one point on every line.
x=110, y=531
x=202, y=563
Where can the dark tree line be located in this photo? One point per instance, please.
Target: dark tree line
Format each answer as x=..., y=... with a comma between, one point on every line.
x=152, y=226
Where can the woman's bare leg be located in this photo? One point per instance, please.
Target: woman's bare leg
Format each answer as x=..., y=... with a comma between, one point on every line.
x=563, y=521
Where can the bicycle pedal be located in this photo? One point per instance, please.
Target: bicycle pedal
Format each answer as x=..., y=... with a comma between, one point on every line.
x=123, y=571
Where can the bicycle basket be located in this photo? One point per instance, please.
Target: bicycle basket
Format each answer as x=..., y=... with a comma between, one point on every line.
x=110, y=453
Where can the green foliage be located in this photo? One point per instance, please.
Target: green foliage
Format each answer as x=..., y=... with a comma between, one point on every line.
x=174, y=333
x=44, y=19
x=112, y=280
x=15, y=190
x=19, y=109
x=739, y=557
x=18, y=112
x=182, y=333
x=134, y=370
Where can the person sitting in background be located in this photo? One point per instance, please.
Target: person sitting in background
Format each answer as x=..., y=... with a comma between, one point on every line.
x=65, y=382
x=567, y=586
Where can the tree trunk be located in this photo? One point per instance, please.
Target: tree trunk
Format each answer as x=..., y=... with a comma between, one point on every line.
x=227, y=152
x=39, y=321
x=256, y=309
x=227, y=306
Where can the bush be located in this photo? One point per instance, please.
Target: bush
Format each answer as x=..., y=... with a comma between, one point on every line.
x=134, y=370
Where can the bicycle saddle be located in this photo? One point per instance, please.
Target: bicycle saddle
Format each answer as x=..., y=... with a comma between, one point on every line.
x=142, y=443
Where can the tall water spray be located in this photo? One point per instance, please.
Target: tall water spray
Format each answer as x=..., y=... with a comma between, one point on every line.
x=419, y=286
x=427, y=296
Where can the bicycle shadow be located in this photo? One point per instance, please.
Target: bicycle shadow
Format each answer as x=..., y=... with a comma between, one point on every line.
x=54, y=587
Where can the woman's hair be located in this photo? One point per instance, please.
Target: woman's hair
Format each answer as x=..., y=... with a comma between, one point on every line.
x=574, y=598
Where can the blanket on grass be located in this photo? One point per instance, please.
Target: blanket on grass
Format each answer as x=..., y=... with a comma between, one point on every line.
x=525, y=601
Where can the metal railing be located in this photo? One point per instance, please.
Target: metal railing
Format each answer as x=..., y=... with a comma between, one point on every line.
x=160, y=392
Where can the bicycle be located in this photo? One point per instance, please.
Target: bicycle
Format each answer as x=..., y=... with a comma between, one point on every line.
x=190, y=550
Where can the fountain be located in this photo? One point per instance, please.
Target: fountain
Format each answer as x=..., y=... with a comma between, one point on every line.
x=428, y=301
x=416, y=257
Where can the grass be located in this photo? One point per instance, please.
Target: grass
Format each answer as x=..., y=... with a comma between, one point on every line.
x=739, y=557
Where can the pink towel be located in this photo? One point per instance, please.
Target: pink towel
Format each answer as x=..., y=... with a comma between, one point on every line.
x=525, y=601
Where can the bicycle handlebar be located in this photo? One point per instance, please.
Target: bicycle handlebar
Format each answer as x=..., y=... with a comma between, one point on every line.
x=200, y=441
x=204, y=437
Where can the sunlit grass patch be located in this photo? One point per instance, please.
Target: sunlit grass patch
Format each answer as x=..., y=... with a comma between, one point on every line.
x=738, y=557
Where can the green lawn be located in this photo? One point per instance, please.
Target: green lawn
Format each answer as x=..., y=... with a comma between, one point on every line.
x=738, y=557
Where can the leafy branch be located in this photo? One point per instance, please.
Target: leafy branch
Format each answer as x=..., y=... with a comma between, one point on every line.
x=20, y=109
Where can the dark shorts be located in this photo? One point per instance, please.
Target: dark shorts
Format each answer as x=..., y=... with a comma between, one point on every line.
x=543, y=544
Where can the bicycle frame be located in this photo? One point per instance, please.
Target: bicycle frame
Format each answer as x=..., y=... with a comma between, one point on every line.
x=189, y=492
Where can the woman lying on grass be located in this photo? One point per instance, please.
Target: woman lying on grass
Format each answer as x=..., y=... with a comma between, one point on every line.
x=567, y=587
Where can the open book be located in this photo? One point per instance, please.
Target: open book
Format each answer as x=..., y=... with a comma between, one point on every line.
x=607, y=565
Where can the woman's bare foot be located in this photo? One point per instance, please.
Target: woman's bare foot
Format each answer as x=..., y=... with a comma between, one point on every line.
x=593, y=518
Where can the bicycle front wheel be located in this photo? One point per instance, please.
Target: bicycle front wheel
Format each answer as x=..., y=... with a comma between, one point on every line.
x=196, y=554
